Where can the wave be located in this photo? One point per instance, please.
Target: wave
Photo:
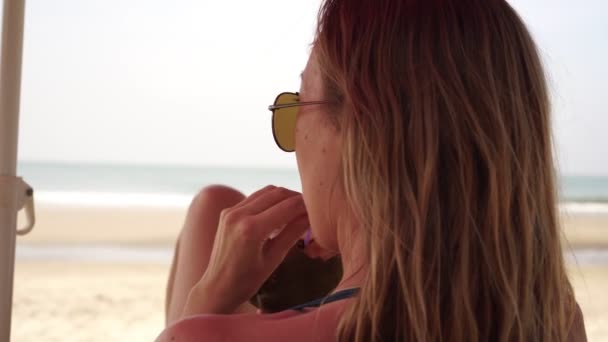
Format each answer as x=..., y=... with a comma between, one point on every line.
x=182, y=200
x=589, y=208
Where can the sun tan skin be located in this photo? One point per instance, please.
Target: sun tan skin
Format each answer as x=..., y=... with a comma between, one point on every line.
x=192, y=315
x=198, y=281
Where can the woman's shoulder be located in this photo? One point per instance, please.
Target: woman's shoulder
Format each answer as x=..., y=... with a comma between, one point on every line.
x=317, y=324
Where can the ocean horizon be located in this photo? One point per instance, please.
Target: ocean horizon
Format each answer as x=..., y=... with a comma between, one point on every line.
x=124, y=185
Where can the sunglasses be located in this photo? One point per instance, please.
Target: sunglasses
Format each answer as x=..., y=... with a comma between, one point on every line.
x=284, y=111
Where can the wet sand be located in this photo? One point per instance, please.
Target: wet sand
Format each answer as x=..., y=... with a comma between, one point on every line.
x=100, y=299
x=58, y=224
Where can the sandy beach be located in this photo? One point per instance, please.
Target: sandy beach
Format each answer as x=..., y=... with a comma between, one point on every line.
x=97, y=299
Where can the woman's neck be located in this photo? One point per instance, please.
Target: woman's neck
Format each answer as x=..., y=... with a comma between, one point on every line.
x=352, y=254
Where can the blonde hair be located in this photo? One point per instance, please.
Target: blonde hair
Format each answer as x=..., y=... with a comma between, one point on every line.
x=448, y=162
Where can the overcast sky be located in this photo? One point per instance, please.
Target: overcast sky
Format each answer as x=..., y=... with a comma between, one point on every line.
x=188, y=81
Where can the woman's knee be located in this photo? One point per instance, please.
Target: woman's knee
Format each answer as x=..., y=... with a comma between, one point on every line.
x=195, y=243
x=208, y=204
x=216, y=196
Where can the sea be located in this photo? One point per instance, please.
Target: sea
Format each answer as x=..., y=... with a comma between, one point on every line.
x=87, y=184
x=141, y=185
x=163, y=186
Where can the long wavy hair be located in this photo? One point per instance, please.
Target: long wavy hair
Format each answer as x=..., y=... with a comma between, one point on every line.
x=448, y=162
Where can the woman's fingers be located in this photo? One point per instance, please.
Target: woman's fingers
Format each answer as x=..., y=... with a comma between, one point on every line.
x=263, y=213
x=280, y=214
x=277, y=248
x=255, y=196
x=242, y=255
x=269, y=213
x=263, y=202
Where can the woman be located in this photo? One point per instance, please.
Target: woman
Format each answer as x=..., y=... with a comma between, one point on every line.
x=424, y=148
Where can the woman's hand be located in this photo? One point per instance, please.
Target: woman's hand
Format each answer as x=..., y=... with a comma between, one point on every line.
x=243, y=256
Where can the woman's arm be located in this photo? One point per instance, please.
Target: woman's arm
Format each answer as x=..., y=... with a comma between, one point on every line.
x=199, y=302
x=243, y=255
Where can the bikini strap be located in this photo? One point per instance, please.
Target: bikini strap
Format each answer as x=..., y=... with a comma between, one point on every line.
x=342, y=294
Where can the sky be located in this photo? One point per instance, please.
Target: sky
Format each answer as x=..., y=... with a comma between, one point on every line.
x=188, y=82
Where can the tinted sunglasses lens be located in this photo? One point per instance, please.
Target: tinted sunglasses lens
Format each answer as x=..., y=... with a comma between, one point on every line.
x=284, y=122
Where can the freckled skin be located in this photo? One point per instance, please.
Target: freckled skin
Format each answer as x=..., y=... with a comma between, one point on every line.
x=301, y=278
x=318, y=153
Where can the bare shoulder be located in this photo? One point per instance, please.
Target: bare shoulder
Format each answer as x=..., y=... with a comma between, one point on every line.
x=318, y=324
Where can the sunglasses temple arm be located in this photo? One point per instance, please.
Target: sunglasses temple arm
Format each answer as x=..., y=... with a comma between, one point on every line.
x=298, y=104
